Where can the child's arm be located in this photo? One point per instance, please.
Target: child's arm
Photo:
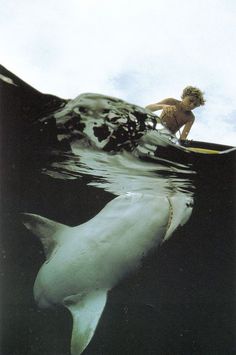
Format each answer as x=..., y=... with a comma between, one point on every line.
x=187, y=129
x=167, y=105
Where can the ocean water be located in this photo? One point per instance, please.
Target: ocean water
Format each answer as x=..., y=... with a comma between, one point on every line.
x=182, y=298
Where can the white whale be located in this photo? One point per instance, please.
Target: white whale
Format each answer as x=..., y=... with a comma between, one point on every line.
x=83, y=263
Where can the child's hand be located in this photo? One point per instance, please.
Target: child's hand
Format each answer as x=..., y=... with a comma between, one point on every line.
x=169, y=110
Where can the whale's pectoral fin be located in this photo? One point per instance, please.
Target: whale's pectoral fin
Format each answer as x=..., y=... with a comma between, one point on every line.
x=48, y=231
x=86, y=310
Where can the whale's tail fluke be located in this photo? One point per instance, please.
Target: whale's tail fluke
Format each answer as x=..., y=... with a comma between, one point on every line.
x=86, y=310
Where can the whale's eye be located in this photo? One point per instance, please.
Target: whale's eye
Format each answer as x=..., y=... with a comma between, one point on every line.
x=189, y=204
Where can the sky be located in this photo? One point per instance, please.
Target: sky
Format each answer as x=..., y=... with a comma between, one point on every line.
x=141, y=51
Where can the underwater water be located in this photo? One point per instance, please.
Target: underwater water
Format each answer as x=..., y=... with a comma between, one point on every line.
x=181, y=300
x=66, y=160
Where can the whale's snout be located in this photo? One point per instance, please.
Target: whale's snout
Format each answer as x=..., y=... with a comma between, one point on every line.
x=181, y=208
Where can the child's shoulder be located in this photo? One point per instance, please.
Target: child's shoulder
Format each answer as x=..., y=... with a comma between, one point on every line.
x=190, y=116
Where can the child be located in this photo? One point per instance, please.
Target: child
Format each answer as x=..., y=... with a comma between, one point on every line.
x=176, y=114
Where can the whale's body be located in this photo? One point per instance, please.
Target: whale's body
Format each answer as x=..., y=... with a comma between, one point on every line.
x=85, y=262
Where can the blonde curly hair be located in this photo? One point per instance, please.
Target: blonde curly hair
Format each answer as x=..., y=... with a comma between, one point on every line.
x=196, y=93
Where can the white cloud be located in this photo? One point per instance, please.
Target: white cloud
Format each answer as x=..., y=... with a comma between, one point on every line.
x=139, y=50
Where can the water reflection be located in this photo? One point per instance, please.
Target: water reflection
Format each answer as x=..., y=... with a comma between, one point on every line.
x=122, y=172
